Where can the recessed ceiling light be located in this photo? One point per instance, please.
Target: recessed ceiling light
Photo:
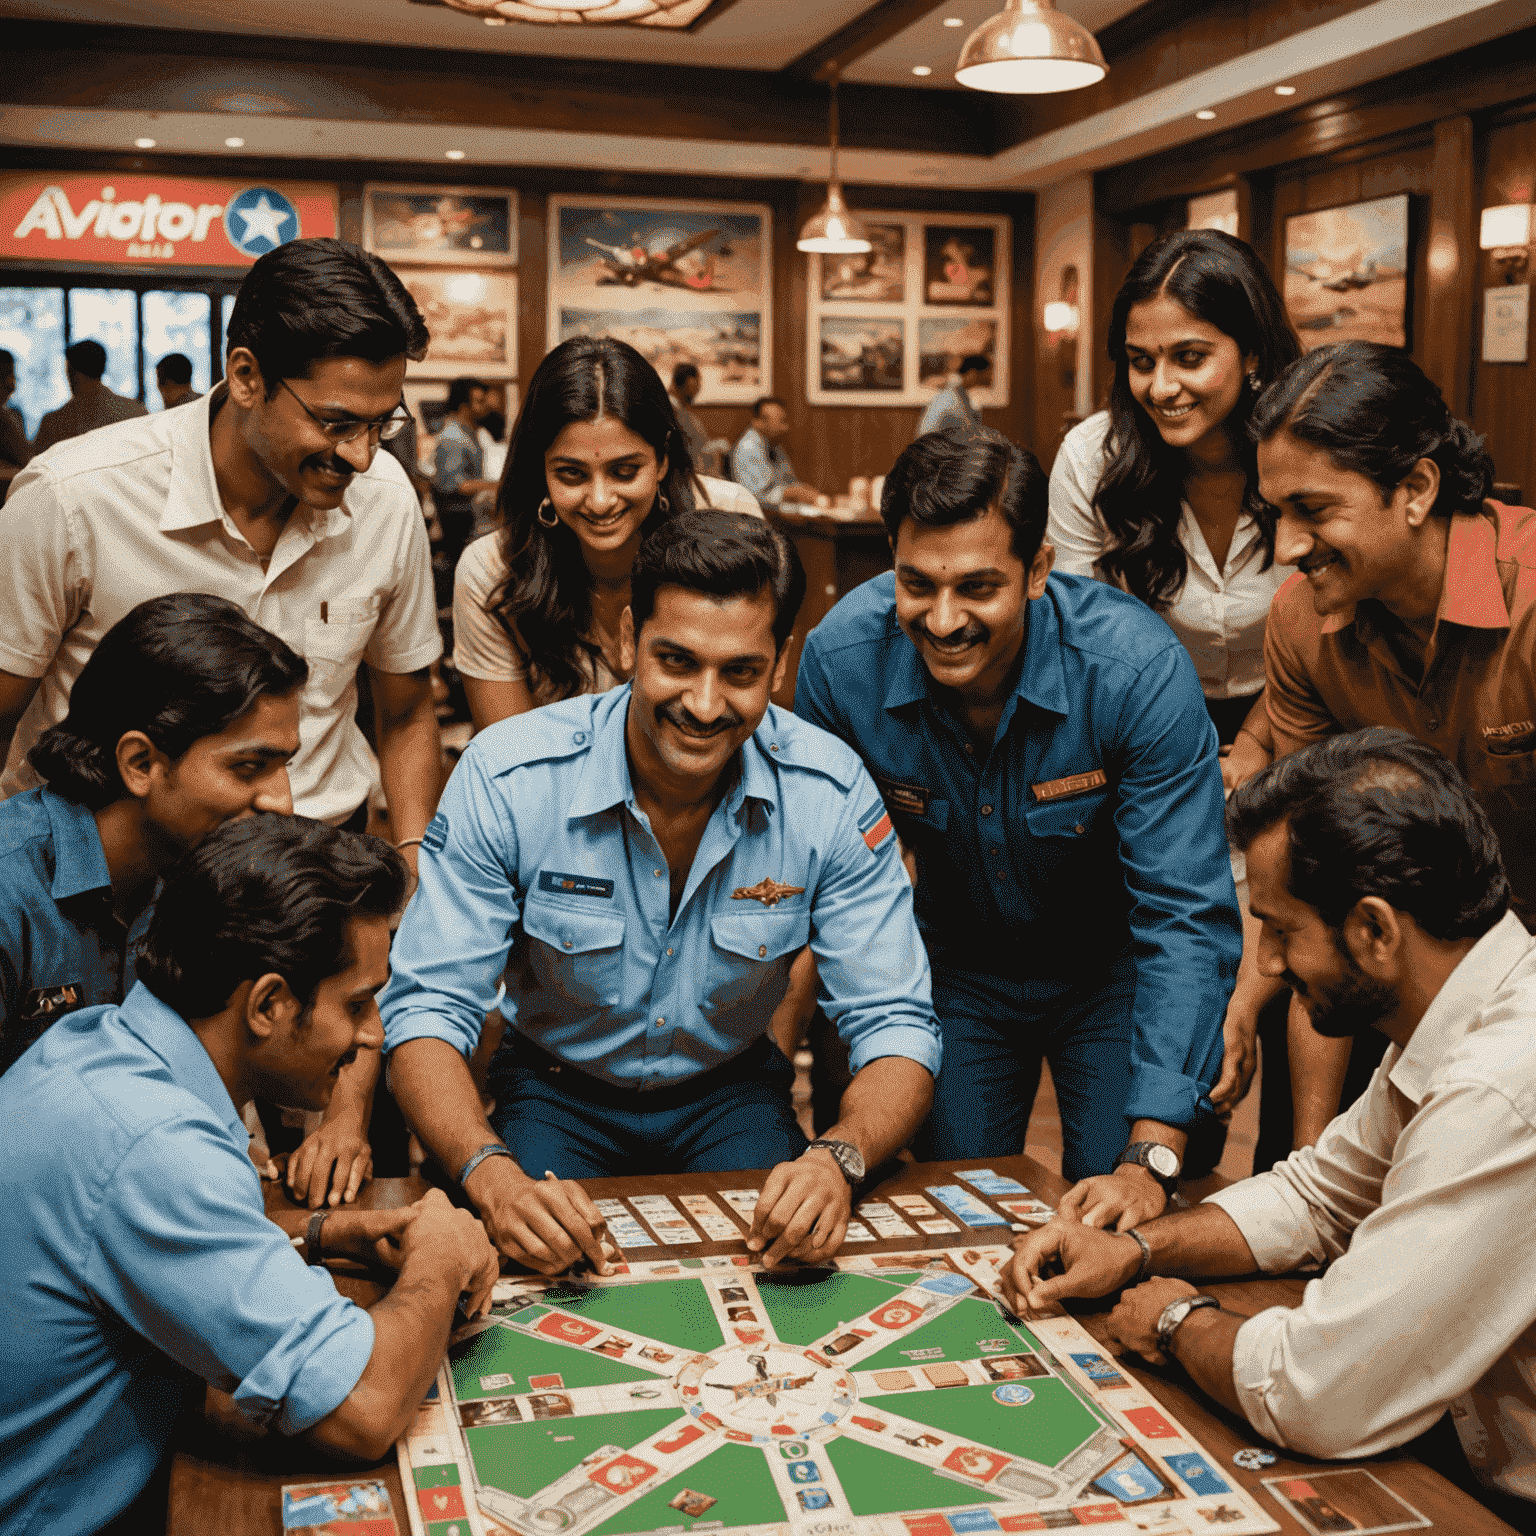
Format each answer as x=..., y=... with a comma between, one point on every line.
x=1205, y=115
x=143, y=143
x=234, y=143
x=954, y=21
x=921, y=69
x=1285, y=90
x=458, y=154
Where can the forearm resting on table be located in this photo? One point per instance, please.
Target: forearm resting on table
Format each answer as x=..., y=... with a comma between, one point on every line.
x=882, y=1107
x=1203, y=1344
x=1201, y=1243
x=1318, y=1065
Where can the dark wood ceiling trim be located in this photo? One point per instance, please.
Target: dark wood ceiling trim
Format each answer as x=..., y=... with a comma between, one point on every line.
x=881, y=22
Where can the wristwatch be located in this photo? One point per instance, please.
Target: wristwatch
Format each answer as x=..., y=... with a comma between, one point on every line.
x=1175, y=1313
x=1161, y=1162
x=848, y=1156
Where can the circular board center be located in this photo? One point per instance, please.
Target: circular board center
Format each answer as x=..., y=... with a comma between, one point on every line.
x=766, y=1392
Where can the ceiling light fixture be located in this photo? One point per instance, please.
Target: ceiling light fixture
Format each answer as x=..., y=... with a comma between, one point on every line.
x=1030, y=49
x=1206, y=115
x=143, y=143
x=1285, y=90
x=592, y=13
x=454, y=154
x=921, y=69
x=833, y=230
x=234, y=143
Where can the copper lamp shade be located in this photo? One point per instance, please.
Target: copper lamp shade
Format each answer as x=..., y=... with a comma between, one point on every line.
x=1030, y=48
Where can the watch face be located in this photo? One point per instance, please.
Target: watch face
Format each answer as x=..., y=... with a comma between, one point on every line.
x=1163, y=1161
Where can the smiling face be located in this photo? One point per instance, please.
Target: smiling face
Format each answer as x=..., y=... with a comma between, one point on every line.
x=602, y=480
x=1184, y=373
x=704, y=668
x=1348, y=539
x=962, y=599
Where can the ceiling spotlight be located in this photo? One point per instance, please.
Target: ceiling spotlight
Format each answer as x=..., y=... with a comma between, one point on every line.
x=921, y=69
x=1285, y=90
x=234, y=143
x=458, y=154
x=954, y=21
x=1206, y=115
x=143, y=143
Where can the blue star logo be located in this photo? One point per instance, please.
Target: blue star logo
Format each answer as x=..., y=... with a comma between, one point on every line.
x=259, y=219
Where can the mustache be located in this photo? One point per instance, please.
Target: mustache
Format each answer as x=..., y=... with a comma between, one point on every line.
x=972, y=634
x=331, y=466
x=684, y=721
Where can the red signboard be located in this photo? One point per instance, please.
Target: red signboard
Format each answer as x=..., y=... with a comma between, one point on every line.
x=169, y=221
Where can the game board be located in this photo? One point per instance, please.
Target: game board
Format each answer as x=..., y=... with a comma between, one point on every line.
x=890, y=1395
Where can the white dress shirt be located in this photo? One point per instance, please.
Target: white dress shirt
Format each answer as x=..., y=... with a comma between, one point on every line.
x=99, y=524
x=1219, y=614
x=1420, y=1199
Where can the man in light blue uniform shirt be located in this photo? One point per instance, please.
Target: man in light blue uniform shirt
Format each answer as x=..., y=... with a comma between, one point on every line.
x=760, y=464
x=951, y=409
x=125, y=1283
x=642, y=867
x=1044, y=749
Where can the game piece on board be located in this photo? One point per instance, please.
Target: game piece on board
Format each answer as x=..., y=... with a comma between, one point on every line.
x=1251, y=1458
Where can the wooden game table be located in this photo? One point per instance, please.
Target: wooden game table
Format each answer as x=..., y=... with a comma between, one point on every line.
x=222, y=1488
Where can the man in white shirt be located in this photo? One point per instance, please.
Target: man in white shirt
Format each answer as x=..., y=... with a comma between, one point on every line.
x=269, y=492
x=1384, y=905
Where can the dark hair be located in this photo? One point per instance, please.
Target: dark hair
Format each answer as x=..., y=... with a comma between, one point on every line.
x=975, y=362
x=265, y=894
x=460, y=390
x=318, y=298
x=1373, y=410
x=766, y=400
x=7, y=363
x=682, y=373
x=1379, y=813
x=945, y=478
x=174, y=368
x=87, y=358
x=725, y=554
x=1219, y=279
x=545, y=601
x=178, y=668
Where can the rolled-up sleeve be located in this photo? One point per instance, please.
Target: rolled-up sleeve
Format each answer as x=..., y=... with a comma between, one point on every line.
x=875, y=983
x=1185, y=927
x=194, y=1267
x=448, y=957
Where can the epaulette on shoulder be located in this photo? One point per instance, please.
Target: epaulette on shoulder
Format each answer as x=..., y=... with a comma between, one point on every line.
x=543, y=735
x=796, y=743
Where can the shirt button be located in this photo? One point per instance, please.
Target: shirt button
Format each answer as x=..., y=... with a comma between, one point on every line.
x=579, y=737
x=1079, y=829
x=661, y=1023
x=567, y=943
x=657, y=873
x=669, y=952
x=762, y=950
x=1434, y=725
x=986, y=810
x=969, y=748
x=773, y=746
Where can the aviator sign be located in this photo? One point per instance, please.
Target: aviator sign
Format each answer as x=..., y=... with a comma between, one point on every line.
x=164, y=220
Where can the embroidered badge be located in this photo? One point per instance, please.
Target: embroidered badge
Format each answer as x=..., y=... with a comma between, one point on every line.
x=875, y=826
x=436, y=835
x=49, y=1002
x=912, y=798
x=1073, y=784
x=769, y=892
x=575, y=885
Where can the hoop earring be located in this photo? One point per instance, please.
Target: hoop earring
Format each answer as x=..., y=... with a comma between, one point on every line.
x=551, y=520
x=1255, y=383
x=663, y=503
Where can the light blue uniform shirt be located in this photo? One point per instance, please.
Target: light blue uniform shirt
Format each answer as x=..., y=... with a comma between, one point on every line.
x=137, y=1264
x=950, y=408
x=762, y=467
x=541, y=864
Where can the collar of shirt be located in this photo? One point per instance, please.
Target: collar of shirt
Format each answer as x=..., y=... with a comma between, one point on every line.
x=1472, y=594
x=605, y=779
x=1459, y=1006
x=79, y=861
x=171, y=1038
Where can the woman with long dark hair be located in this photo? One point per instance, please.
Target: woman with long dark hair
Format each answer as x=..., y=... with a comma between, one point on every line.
x=596, y=462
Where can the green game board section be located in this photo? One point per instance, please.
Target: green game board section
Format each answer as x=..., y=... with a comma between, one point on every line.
x=1045, y=1430
x=437, y=1477
x=522, y=1458
x=519, y=1355
x=675, y=1311
x=801, y=1314
x=736, y=1475
x=880, y=1483
x=957, y=1332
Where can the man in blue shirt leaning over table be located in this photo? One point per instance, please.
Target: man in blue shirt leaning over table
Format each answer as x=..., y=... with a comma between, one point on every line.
x=1044, y=750
x=125, y=1284
x=644, y=865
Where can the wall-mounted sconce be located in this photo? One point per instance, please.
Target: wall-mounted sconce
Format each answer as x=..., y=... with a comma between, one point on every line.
x=1060, y=318
x=1506, y=233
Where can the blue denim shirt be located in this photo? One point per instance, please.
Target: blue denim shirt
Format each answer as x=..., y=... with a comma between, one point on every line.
x=137, y=1263
x=540, y=864
x=1094, y=822
x=762, y=467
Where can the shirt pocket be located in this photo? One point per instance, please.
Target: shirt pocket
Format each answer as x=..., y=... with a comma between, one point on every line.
x=1059, y=829
x=576, y=954
x=750, y=951
x=333, y=649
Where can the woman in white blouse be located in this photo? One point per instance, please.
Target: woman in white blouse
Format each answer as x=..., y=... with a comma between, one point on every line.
x=1159, y=495
x=596, y=462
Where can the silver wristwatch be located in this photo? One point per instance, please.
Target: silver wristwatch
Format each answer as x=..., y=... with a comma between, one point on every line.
x=1175, y=1313
x=848, y=1156
x=1163, y=1163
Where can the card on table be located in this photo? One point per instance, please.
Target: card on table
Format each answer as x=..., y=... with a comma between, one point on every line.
x=965, y=1205
x=359, y=1508
x=912, y=1205
x=742, y=1201
x=1353, y=1501
x=858, y=1233
x=990, y=1183
x=938, y=1224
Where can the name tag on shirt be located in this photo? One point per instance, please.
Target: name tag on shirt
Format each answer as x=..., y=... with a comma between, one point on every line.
x=1073, y=784
x=575, y=885
x=912, y=798
x=1502, y=740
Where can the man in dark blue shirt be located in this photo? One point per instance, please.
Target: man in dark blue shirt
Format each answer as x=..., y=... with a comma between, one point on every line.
x=1045, y=753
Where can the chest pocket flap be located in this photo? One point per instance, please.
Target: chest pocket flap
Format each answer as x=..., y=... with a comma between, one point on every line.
x=570, y=929
x=577, y=953
x=761, y=935
x=1075, y=816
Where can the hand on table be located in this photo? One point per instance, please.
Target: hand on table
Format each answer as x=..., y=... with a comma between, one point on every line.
x=330, y=1166
x=802, y=1212
x=1133, y=1323
x=1122, y=1199
x=1094, y=1263
x=1239, y=1035
x=549, y=1224
x=434, y=1227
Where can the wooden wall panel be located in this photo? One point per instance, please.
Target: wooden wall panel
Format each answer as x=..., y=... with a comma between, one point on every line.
x=1445, y=352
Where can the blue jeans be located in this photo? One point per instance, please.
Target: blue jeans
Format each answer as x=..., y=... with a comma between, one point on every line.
x=548, y=1122
x=996, y=1032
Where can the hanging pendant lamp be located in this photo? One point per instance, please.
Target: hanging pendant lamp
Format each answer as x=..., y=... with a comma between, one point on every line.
x=1030, y=49
x=834, y=229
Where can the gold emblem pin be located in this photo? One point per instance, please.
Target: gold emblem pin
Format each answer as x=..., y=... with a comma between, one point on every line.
x=767, y=891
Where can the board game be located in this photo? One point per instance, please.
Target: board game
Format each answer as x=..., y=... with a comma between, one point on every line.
x=888, y=1395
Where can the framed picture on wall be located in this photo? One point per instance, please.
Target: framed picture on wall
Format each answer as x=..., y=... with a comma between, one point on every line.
x=429, y=225
x=472, y=316
x=679, y=281
x=891, y=327
x=1346, y=273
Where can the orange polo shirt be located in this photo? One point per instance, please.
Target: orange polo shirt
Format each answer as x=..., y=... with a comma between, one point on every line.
x=1477, y=699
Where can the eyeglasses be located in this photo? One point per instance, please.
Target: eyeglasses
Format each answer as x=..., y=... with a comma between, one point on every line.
x=387, y=427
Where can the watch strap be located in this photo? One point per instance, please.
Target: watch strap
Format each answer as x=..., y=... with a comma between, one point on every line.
x=1136, y=1153
x=313, y=1238
x=1146, y=1255
x=492, y=1149
x=836, y=1148
x=1186, y=1304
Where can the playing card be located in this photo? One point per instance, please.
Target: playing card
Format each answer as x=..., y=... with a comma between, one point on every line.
x=361, y=1505
x=719, y=1229
x=1353, y=1501
x=891, y=1226
x=858, y=1233
x=990, y=1183
x=965, y=1205
x=938, y=1224
x=913, y=1205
